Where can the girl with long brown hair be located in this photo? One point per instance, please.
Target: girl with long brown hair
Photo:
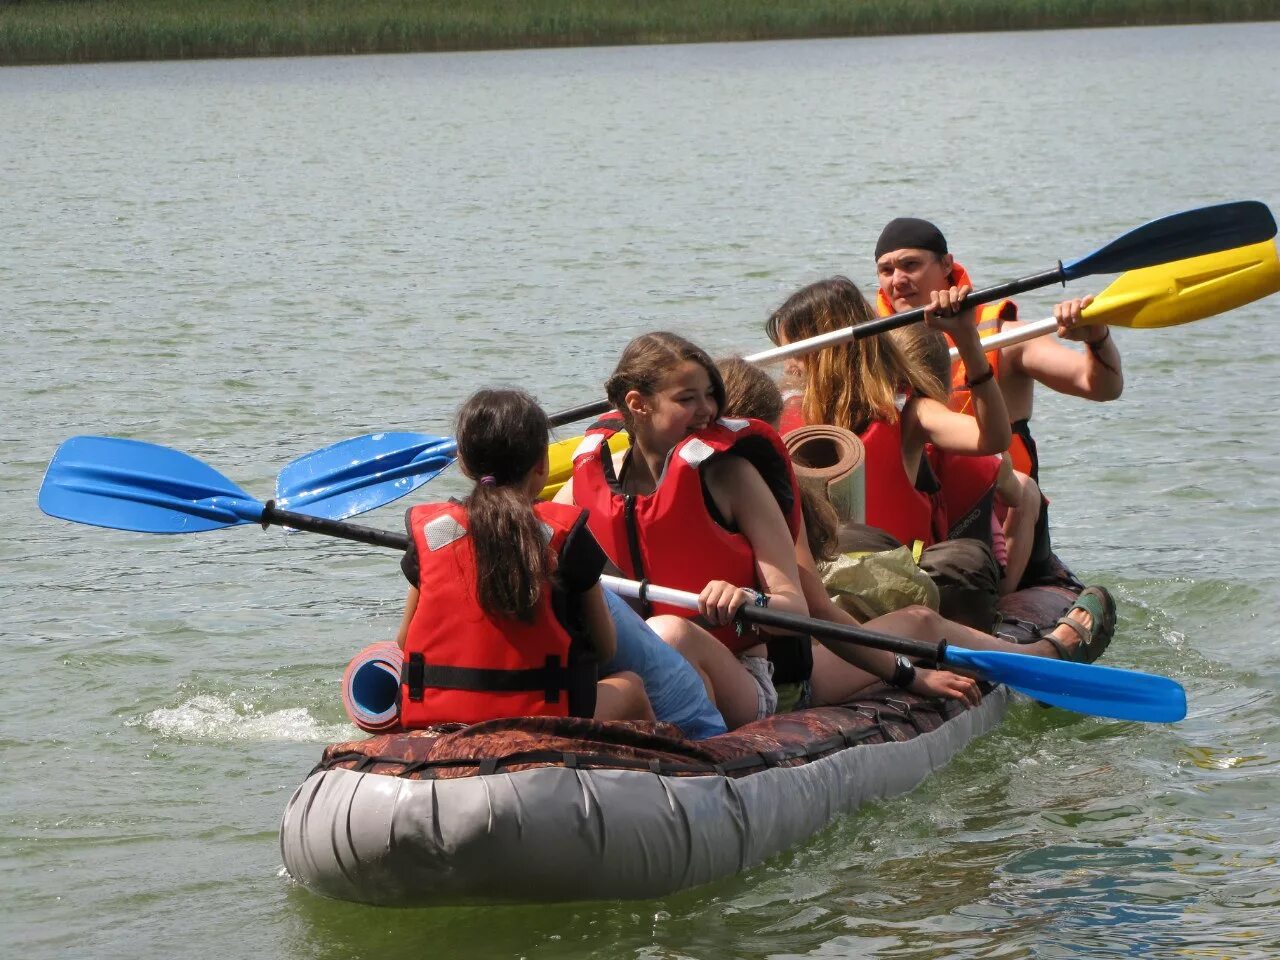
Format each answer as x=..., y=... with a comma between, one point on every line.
x=840, y=670
x=696, y=503
x=505, y=615
x=870, y=386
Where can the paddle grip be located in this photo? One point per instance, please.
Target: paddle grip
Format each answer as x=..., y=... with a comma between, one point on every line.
x=332, y=528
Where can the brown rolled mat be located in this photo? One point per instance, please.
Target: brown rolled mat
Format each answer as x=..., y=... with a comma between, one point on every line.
x=831, y=461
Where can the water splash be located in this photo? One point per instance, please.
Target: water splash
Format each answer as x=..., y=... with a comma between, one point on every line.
x=219, y=719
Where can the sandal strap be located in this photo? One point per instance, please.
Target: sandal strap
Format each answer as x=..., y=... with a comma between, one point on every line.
x=1091, y=603
x=1085, y=633
x=1059, y=646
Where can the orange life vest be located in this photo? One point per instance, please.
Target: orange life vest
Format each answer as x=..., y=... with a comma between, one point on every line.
x=463, y=665
x=991, y=317
x=670, y=536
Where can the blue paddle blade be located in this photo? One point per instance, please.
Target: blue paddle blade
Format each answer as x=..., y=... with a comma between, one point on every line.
x=1082, y=687
x=357, y=475
x=1179, y=236
x=131, y=485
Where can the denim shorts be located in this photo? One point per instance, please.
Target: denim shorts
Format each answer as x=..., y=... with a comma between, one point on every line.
x=761, y=670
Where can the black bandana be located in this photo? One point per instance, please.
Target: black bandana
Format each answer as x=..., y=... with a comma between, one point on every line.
x=910, y=232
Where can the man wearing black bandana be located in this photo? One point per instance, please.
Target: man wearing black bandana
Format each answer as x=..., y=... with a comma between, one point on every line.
x=912, y=261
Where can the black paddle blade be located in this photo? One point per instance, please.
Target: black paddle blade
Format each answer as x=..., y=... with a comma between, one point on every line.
x=1179, y=236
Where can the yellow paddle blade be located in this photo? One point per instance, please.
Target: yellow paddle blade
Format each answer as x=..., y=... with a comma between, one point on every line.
x=560, y=454
x=1187, y=290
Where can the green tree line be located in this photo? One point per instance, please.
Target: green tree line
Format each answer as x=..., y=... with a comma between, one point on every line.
x=69, y=31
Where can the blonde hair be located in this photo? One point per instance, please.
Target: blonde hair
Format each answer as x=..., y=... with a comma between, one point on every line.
x=855, y=383
x=928, y=349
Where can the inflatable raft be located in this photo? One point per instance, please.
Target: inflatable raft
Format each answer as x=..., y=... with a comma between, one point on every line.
x=540, y=809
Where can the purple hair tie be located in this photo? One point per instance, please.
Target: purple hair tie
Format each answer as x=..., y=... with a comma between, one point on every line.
x=488, y=480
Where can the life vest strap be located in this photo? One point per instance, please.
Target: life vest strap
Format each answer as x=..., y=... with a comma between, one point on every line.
x=551, y=678
x=637, y=555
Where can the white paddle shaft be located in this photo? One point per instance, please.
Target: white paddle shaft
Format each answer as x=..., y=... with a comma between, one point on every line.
x=1010, y=337
x=667, y=595
x=800, y=347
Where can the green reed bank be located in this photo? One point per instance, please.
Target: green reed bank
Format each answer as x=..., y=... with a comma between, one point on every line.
x=69, y=31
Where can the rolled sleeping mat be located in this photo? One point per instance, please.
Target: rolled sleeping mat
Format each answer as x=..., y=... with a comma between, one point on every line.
x=370, y=685
x=831, y=461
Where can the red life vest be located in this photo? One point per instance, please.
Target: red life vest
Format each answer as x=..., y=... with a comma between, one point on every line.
x=669, y=536
x=991, y=317
x=894, y=505
x=792, y=412
x=966, y=496
x=463, y=665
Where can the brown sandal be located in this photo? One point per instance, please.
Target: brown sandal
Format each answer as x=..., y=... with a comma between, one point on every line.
x=1096, y=602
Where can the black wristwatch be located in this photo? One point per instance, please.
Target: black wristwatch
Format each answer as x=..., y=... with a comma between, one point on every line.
x=904, y=673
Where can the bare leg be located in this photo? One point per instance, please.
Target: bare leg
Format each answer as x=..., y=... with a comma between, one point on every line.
x=1020, y=532
x=731, y=687
x=622, y=697
x=835, y=681
x=921, y=623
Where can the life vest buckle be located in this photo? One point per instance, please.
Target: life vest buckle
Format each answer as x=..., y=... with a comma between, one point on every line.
x=415, y=676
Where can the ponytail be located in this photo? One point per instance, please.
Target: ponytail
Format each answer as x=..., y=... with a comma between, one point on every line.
x=502, y=435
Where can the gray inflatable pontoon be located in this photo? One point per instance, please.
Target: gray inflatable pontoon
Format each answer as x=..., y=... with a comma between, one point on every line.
x=541, y=809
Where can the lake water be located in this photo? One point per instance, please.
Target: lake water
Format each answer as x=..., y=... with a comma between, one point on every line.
x=247, y=260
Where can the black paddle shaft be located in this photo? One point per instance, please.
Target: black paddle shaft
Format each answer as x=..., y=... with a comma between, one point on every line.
x=790, y=622
x=582, y=412
x=975, y=299
x=332, y=528
x=869, y=329
x=1175, y=237
x=929, y=653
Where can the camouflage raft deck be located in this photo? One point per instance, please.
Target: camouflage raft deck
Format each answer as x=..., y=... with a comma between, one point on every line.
x=544, y=809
